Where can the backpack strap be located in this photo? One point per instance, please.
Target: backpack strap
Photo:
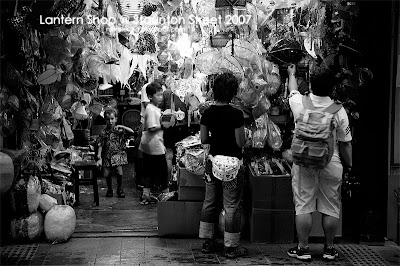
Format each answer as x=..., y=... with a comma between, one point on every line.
x=307, y=103
x=333, y=108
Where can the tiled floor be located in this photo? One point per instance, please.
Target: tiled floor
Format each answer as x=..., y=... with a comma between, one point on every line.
x=167, y=251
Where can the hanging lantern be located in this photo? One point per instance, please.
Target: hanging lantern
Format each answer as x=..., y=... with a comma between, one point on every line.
x=286, y=51
x=130, y=8
x=80, y=112
x=105, y=85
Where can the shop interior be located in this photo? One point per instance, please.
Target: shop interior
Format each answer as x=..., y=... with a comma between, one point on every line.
x=64, y=62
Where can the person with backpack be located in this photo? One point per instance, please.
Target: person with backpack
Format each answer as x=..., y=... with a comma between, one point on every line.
x=322, y=151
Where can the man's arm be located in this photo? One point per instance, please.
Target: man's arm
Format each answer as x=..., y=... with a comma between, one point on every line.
x=346, y=152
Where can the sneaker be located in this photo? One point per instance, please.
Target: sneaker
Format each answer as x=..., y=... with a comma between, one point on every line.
x=120, y=193
x=234, y=252
x=299, y=253
x=209, y=246
x=109, y=193
x=330, y=253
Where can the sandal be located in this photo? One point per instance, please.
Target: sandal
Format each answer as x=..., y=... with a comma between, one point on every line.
x=120, y=193
x=145, y=200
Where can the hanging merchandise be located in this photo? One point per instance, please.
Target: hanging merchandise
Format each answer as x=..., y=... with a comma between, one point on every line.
x=286, y=51
x=130, y=9
x=51, y=110
x=145, y=43
x=68, y=8
x=262, y=106
x=244, y=51
x=78, y=110
x=274, y=135
x=260, y=132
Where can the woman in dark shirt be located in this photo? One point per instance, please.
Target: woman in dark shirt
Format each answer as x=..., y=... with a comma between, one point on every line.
x=222, y=126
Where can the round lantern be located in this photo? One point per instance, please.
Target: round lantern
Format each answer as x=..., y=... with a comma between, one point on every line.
x=286, y=51
x=130, y=8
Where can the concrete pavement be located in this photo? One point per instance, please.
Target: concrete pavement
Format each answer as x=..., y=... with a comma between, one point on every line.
x=167, y=251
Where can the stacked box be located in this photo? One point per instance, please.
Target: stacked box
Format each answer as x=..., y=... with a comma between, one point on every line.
x=272, y=212
x=191, y=187
x=181, y=218
x=271, y=191
x=272, y=226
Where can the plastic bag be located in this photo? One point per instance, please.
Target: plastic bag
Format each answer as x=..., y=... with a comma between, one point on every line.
x=59, y=223
x=274, y=135
x=27, y=229
x=25, y=195
x=261, y=131
x=46, y=202
x=193, y=159
x=262, y=107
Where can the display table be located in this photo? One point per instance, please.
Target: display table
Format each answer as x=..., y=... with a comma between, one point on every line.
x=85, y=166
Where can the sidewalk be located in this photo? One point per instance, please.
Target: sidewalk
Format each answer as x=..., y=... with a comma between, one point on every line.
x=168, y=251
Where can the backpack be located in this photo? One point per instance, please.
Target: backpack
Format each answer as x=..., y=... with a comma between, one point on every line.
x=313, y=140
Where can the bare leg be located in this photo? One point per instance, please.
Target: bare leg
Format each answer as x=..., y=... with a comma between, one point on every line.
x=169, y=156
x=330, y=225
x=303, y=228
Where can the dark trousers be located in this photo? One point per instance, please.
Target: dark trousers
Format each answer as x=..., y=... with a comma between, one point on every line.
x=155, y=171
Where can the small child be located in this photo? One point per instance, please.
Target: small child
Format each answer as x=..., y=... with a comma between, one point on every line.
x=152, y=145
x=111, y=153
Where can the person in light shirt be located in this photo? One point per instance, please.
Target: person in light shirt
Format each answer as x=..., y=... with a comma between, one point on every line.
x=319, y=189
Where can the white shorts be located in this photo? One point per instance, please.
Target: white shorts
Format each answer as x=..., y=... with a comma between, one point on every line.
x=318, y=190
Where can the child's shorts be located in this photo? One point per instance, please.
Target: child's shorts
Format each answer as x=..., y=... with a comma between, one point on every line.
x=155, y=171
x=318, y=190
x=108, y=171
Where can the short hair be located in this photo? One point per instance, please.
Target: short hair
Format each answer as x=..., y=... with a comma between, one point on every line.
x=110, y=111
x=153, y=88
x=323, y=83
x=225, y=87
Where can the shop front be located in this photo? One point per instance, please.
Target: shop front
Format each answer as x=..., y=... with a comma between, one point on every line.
x=65, y=62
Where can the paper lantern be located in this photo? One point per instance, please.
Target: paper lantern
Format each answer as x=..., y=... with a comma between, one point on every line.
x=130, y=8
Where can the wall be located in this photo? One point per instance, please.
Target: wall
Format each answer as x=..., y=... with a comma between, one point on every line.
x=370, y=146
x=393, y=209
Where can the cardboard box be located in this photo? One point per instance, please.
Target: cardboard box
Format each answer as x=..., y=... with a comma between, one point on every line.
x=188, y=179
x=180, y=218
x=61, y=198
x=272, y=226
x=191, y=187
x=317, y=231
x=191, y=193
x=271, y=191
